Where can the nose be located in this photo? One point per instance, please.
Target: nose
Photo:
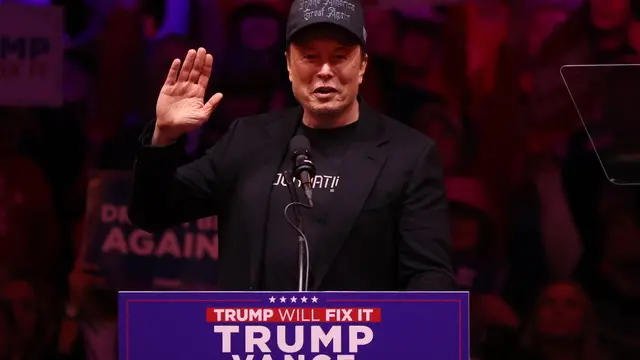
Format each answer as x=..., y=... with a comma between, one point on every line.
x=325, y=72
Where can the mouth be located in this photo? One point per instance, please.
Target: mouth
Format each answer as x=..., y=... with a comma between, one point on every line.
x=325, y=90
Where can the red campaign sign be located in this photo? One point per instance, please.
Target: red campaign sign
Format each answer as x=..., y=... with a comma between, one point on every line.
x=294, y=326
x=222, y=315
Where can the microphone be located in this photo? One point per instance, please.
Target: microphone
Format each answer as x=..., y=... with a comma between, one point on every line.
x=303, y=167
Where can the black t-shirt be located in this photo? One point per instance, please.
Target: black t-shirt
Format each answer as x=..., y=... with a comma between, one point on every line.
x=280, y=267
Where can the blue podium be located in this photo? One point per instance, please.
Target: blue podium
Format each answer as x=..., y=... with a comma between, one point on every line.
x=294, y=325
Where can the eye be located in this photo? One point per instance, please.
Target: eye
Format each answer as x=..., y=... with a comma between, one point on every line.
x=341, y=57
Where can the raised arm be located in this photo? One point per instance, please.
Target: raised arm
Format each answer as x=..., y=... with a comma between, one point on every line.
x=164, y=194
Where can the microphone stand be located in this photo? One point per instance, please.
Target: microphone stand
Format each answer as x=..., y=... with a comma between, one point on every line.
x=302, y=249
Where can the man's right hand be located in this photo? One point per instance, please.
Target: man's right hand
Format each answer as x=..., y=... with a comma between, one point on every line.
x=181, y=107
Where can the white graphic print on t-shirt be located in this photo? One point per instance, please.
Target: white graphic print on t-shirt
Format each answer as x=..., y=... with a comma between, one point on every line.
x=319, y=182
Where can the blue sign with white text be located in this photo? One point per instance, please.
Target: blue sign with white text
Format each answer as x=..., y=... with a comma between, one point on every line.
x=183, y=257
x=293, y=325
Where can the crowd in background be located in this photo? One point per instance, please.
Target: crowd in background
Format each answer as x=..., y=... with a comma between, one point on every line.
x=548, y=247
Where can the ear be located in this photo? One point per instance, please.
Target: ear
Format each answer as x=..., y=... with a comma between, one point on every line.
x=363, y=68
x=287, y=55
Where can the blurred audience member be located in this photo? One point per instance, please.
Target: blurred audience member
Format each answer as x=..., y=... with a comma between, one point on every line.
x=436, y=122
x=252, y=73
x=471, y=235
x=382, y=25
x=33, y=337
x=546, y=17
x=493, y=321
x=494, y=328
x=544, y=242
x=29, y=230
x=610, y=15
x=622, y=248
x=118, y=152
x=562, y=243
x=563, y=326
x=633, y=34
x=378, y=84
x=89, y=328
x=59, y=146
x=417, y=53
x=118, y=53
x=482, y=89
x=254, y=59
x=596, y=33
x=618, y=299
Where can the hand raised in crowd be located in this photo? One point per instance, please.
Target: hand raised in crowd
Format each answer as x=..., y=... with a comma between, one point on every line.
x=181, y=107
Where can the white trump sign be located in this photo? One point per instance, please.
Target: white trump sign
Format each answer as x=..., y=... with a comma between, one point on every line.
x=31, y=55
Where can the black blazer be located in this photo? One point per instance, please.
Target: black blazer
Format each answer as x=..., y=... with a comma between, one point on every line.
x=387, y=228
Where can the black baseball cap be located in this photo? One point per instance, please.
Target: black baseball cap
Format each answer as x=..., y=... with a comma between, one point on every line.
x=346, y=14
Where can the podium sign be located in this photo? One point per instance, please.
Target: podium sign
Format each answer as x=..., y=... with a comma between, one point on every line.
x=293, y=326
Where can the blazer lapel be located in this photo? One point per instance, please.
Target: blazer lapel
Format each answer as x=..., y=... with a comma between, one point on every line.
x=269, y=155
x=360, y=167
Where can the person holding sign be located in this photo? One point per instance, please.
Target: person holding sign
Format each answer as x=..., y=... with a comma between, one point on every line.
x=379, y=219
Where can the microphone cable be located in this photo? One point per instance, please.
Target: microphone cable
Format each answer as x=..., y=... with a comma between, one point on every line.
x=303, y=281
x=301, y=237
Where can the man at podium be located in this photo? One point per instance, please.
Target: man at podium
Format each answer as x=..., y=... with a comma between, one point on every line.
x=379, y=219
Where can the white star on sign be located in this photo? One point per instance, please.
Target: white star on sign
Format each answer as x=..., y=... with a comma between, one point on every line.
x=314, y=299
x=303, y=299
x=293, y=299
x=272, y=299
x=283, y=299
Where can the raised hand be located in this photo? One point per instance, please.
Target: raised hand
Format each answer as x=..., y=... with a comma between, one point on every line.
x=181, y=107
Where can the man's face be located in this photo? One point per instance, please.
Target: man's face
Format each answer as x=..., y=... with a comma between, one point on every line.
x=561, y=312
x=325, y=70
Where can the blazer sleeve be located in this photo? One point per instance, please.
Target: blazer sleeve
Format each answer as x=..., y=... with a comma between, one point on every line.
x=165, y=194
x=424, y=248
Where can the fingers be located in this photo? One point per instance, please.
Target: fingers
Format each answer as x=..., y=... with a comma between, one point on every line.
x=207, y=68
x=187, y=65
x=212, y=104
x=172, y=76
x=198, y=65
